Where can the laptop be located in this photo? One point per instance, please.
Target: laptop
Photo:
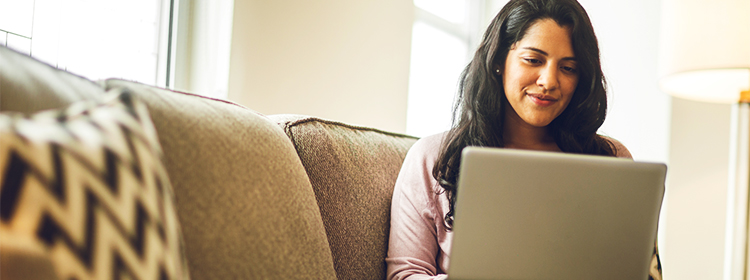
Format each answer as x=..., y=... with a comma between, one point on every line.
x=543, y=215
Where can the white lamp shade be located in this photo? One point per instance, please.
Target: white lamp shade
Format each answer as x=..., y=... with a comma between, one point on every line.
x=705, y=49
x=716, y=85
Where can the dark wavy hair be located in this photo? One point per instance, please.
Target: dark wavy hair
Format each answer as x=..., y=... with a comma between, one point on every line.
x=478, y=113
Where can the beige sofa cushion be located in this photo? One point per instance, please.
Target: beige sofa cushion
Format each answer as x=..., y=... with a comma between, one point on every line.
x=28, y=86
x=245, y=204
x=352, y=170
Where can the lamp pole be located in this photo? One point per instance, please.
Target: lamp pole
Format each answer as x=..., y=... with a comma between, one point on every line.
x=736, y=260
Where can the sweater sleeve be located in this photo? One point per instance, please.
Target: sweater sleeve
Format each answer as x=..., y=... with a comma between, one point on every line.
x=413, y=246
x=620, y=150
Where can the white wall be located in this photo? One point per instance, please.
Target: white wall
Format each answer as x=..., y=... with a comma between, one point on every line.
x=638, y=114
x=348, y=60
x=692, y=137
x=337, y=59
x=698, y=179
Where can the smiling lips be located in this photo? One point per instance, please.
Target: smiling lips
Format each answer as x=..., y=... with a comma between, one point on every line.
x=541, y=99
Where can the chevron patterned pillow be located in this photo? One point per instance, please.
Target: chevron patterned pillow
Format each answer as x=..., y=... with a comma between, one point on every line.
x=86, y=186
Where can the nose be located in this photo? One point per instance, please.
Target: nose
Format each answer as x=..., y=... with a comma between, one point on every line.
x=548, y=78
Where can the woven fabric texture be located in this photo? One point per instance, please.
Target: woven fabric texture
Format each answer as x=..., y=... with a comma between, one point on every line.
x=28, y=86
x=246, y=206
x=86, y=185
x=353, y=170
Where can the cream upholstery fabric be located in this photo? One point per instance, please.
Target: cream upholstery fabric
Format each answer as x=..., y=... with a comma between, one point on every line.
x=245, y=204
x=28, y=86
x=352, y=170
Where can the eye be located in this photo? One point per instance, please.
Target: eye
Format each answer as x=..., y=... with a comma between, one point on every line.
x=533, y=61
x=569, y=69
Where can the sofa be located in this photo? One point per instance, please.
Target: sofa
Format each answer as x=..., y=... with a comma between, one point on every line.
x=256, y=196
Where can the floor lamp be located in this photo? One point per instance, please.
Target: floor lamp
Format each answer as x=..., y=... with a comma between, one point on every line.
x=705, y=56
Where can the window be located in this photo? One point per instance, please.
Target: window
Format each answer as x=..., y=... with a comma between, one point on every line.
x=94, y=39
x=444, y=36
x=203, y=36
x=181, y=44
x=16, y=23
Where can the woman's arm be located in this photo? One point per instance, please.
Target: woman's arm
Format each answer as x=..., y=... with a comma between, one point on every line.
x=413, y=246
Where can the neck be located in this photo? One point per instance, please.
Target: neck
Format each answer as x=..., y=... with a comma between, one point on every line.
x=517, y=134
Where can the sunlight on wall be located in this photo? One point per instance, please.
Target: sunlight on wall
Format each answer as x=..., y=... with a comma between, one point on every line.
x=433, y=81
x=450, y=10
x=437, y=58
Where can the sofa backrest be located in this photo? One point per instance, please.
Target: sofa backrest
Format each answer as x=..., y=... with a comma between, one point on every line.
x=28, y=86
x=352, y=170
x=245, y=205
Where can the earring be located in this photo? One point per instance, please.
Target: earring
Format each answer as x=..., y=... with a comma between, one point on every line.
x=497, y=71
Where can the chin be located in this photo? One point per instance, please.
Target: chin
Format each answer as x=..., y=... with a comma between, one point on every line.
x=539, y=122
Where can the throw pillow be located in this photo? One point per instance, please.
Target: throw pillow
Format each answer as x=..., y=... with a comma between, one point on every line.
x=86, y=185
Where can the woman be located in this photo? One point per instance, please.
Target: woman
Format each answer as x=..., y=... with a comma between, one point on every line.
x=534, y=83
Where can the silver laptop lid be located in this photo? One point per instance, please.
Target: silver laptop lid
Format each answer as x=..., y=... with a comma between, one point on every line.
x=543, y=215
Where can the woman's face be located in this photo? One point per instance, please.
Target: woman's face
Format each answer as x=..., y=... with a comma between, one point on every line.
x=540, y=74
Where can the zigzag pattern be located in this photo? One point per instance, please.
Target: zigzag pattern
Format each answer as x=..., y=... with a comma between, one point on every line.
x=89, y=186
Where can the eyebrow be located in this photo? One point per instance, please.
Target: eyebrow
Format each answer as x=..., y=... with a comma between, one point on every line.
x=546, y=54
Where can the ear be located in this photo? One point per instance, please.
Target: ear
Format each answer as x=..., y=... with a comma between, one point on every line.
x=497, y=69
